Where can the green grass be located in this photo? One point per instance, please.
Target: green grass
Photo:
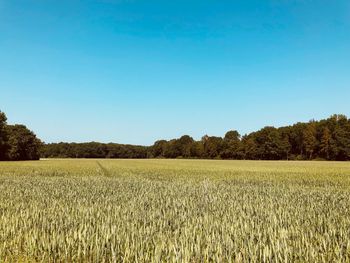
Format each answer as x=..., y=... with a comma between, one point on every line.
x=174, y=211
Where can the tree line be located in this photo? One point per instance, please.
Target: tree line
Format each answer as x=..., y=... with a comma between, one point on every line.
x=93, y=150
x=327, y=139
x=17, y=142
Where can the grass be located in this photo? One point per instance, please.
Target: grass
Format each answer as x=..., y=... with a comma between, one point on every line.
x=174, y=211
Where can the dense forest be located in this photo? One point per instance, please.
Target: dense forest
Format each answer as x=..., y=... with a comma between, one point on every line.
x=93, y=150
x=327, y=139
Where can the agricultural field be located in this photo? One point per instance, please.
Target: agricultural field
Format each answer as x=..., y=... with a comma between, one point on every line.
x=174, y=211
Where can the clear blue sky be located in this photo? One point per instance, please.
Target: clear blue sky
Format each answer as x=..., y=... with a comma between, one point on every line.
x=133, y=71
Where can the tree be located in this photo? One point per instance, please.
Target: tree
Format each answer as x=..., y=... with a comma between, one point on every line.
x=249, y=147
x=212, y=146
x=325, y=145
x=342, y=141
x=232, y=136
x=24, y=145
x=285, y=146
x=3, y=137
x=172, y=149
x=231, y=146
x=185, y=145
x=309, y=140
x=269, y=144
x=295, y=136
x=197, y=149
x=158, y=148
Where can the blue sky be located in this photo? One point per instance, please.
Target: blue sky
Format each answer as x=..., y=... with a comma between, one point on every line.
x=137, y=71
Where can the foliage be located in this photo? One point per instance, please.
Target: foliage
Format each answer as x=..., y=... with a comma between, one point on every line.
x=326, y=139
x=23, y=143
x=92, y=150
x=3, y=136
x=17, y=142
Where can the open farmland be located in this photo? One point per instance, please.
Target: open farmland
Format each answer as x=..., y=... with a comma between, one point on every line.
x=174, y=211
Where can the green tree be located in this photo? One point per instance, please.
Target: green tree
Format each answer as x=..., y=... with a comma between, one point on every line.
x=232, y=136
x=231, y=146
x=309, y=140
x=250, y=148
x=212, y=146
x=172, y=149
x=285, y=146
x=3, y=136
x=325, y=145
x=295, y=136
x=185, y=145
x=270, y=144
x=24, y=145
x=158, y=148
x=197, y=149
x=342, y=141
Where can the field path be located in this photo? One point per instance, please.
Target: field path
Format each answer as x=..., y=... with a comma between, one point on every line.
x=104, y=170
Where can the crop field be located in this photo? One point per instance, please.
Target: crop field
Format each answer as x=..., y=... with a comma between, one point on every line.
x=174, y=211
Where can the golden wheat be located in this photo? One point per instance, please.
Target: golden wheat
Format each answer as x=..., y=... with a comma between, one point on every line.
x=174, y=211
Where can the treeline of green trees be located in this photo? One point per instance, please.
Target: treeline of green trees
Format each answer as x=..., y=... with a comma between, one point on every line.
x=93, y=150
x=327, y=139
x=17, y=142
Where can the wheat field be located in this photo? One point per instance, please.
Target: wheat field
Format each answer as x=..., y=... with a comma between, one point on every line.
x=174, y=211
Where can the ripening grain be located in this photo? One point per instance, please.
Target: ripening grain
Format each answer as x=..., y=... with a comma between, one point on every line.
x=174, y=211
